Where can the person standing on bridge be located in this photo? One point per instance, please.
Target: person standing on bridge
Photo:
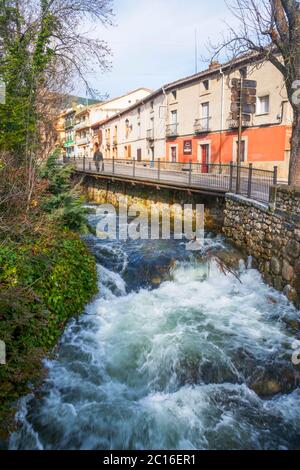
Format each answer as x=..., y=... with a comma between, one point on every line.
x=98, y=157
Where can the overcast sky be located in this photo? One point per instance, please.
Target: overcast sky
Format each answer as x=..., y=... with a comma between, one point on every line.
x=153, y=41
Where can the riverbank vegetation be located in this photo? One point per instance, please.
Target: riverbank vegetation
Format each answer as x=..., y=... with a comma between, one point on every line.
x=47, y=276
x=46, y=273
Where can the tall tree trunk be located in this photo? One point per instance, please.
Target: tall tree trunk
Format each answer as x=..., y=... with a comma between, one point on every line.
x=294, y=172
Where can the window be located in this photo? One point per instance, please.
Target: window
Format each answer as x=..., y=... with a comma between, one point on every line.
x=263, y=104
x=243, y=72
x=174, y=95
x=205, y=115
x=174, y=117
x=205, y=84
x=152, y=105
x=244, y=150
x=139, y=130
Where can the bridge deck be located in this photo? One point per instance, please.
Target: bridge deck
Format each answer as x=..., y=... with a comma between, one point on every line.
x=211, y=179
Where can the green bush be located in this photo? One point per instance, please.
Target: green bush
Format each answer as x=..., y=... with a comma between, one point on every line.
x=43, y=283
x=63, y=203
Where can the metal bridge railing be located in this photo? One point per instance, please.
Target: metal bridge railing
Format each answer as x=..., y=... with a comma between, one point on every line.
x=244, y=180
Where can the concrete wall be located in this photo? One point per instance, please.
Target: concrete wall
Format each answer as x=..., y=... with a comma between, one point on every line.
x=271, y=235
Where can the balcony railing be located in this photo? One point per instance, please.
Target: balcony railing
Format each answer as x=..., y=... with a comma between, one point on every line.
x=150, y=134
x=69, y=123
x=108, y=144
x=234, y=123
x=83, y=141
x=69, y=143
x=172, y=130
x=81, y=125
x=202, y=125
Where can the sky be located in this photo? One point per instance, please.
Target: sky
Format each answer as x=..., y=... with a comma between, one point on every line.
x=153, y=42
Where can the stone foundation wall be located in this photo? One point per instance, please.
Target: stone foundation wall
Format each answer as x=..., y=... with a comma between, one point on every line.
x=104, y=191
x=271, y=235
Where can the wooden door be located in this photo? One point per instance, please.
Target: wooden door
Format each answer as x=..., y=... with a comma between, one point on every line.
x=204, y=158
x=173, y=154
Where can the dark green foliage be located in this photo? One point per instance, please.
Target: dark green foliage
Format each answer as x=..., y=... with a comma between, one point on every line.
x=24, y=57
x=43, y=283
x=64, y=203
x=46, y=277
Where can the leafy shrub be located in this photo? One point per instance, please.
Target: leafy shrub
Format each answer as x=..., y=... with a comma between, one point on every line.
x=63, y=203
x=43, y=283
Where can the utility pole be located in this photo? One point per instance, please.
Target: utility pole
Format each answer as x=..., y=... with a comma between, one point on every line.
x=239, y=145
x=196, y=52
x=243, y=105
x=240, y=128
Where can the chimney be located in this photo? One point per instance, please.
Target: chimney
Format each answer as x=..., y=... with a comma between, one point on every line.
x=215, y=64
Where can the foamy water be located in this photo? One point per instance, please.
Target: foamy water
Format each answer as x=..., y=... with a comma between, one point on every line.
x=169, y=368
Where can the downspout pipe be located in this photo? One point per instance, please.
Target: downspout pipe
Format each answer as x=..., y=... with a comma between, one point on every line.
x=222, y=114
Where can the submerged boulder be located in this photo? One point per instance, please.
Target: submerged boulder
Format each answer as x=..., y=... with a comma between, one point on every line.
x=273, y=379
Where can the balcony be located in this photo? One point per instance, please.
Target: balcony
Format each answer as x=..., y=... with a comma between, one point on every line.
x=81, y=125
x=234, y=123
x=172, y=130
x=83, y=141
x=202, y=125
x=69, y=123
x=150, y=134
x=69, y=143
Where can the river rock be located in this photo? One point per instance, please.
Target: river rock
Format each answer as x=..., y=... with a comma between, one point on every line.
x=275, y=266
x=273, y=379
x=156, y=281
x=278, y=283
x=287, y=271
x=297, y=268
x=293, y=248
x=290, y=293
x=231, y=259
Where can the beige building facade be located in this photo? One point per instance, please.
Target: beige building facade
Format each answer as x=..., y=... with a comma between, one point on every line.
x=191, y=119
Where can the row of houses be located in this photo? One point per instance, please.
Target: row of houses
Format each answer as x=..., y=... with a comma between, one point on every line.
x=191, y=119
x=79, y=126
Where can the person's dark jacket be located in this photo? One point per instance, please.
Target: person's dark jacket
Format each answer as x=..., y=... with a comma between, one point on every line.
x=98, y=156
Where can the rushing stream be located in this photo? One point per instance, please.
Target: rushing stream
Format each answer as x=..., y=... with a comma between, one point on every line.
x=177, y=352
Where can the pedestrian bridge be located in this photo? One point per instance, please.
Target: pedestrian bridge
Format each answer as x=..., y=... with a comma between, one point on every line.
x=217, y=179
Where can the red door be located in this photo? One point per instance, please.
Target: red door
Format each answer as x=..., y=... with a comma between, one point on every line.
x=204, y=158
x=173, y=154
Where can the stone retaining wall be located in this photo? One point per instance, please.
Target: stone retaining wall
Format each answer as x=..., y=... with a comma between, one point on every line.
x=271, y=235
x=103, y=191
